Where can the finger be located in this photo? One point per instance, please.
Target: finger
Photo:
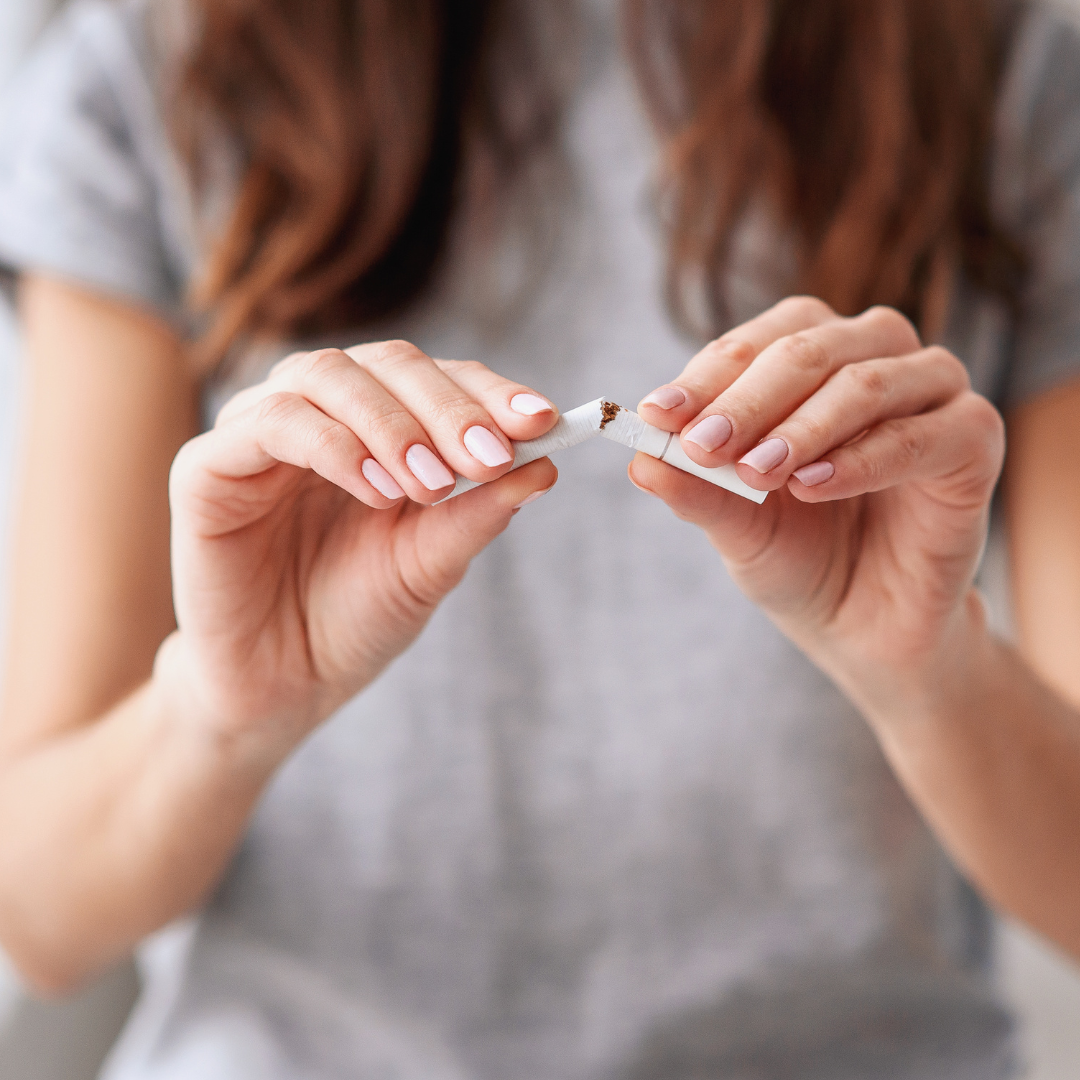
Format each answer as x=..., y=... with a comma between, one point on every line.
x=960, y=446
x=736, y=526
x=785, y=375
x=334, y=383
x=281, y=429
x=855, y=399
x=508, y=494
x=518, y=410
x=462, y=431
x=722, y=361
x=451, y=534
x=242, y=400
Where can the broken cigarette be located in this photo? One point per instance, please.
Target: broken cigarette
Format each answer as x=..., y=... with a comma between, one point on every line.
x=577, y=426
x=629, y=430
x=613, y=422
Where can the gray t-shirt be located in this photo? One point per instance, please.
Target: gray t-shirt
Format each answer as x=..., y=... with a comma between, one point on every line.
x=602, y=821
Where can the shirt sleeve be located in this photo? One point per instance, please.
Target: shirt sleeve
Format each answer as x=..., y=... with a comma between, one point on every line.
x=1038, y=191
x=76, y=200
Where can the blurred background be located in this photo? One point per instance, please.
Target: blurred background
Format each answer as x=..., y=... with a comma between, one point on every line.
x=68, y=1041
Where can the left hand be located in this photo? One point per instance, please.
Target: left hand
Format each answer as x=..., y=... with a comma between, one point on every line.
x=882, y=462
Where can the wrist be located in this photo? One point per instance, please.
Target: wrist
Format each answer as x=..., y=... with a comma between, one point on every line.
x=244, y=752
x=928, y=683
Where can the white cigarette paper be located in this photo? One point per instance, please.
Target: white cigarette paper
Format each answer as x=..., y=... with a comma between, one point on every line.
x=628, y=429
x=613, y=422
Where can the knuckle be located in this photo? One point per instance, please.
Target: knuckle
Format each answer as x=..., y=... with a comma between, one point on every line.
x=895, y=322
x=869, y=466
x=284, y=365
x=396, y=354
x=984, y=419
x=951, y=366
x=317, y=365
x=453, y=367
x=882, y=315
x=331, y=439
x=469, y=367
x=684, y=514
x=319, y=359
x=806, y=354
x=443, y=409
x=880, y=463
x=889, y=317
x=428, y=580
x=728, y=350
x=388, y=424
x=275, y=408
x=868, y=381
x=807, y=433
x=452, y=411
x=808, y=308
x=910, y=444
x=859, y=465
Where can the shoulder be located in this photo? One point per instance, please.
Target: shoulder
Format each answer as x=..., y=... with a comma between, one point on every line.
x=1036, y=195
x=91, y=62
x=1037, y=138
x=89, y=187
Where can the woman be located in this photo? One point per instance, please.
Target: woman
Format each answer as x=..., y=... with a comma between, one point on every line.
x=601, y=809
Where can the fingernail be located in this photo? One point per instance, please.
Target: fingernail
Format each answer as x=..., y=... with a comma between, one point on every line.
x=380, y=479
x=711, y=433
x=427, y=468
x=530, y=404
x=487, y=449
x=812, y=475
x=667, y=397
x=532, y=498
x=766, y=456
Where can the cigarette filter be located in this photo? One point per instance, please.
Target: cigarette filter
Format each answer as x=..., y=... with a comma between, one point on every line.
x=628, y=429
x=605, y=418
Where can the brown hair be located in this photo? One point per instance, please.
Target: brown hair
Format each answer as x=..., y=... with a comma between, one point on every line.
x=867, y=123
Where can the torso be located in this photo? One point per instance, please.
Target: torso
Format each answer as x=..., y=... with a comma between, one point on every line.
x=602, y=819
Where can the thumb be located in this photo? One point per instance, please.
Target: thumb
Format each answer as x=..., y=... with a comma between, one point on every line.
x=738, y=528
x=450, y=535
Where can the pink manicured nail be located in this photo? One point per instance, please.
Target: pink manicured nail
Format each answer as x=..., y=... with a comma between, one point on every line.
x=380, y=479
x=812, y=475
x=532, y=498
x=667, y=397
x=427, y=468
x=711, y=433
x=483, y=446
x=766, y=456
x=530, y=405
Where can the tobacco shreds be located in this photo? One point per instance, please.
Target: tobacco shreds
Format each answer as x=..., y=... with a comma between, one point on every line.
x=609, y=410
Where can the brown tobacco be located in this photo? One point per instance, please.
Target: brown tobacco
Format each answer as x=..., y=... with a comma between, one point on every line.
x=609, y=410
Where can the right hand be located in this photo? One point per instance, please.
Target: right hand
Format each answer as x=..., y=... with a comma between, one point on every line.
x=304, y=556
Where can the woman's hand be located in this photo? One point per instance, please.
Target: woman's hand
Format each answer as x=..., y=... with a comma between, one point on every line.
x=304, y=556
x=881, y=461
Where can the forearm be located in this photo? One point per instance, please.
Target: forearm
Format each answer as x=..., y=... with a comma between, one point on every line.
x=992, y=758
x=108, y=833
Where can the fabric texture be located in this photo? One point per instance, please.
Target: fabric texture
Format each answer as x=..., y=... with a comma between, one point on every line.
x=602, y=821
x=89, y=188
